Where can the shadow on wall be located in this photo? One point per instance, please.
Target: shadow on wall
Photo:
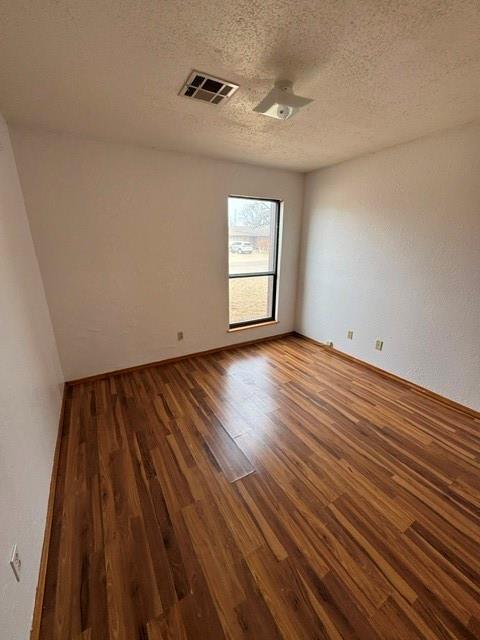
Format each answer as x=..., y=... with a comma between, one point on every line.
x=30, y=400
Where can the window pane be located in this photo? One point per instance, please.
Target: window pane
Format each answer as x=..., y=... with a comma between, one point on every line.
x=251, y=298
x=252, y=231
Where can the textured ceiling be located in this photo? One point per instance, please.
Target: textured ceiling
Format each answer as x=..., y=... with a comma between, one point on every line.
x=381, y=72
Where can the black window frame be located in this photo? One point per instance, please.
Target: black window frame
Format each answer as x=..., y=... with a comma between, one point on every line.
x=273, y=273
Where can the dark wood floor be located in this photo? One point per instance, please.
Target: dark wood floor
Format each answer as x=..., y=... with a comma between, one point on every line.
x=273, y=491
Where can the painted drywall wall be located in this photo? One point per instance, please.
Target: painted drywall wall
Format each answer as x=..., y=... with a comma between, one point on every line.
x=132, y=246
x=30, y=399
x=391, y=250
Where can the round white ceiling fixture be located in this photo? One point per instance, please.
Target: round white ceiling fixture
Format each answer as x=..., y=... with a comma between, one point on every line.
x=281, y=103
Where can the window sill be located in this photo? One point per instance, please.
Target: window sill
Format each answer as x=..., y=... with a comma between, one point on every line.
x=252, y=326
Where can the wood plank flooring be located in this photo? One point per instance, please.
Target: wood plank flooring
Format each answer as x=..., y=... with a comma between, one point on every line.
x=271, y=491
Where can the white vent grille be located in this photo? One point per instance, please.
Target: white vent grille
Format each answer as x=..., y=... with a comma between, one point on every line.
x=202, y=86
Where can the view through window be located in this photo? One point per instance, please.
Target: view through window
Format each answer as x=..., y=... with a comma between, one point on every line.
x=253, y=256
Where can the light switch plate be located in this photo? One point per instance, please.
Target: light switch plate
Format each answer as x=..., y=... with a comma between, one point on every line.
x=16, y=563
x=379, y=345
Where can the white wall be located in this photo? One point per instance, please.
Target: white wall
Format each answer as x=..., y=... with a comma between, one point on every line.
x=30, y=399
x=391, y=249
x=132, y=245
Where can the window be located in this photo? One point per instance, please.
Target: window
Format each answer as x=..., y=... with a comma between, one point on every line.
x=253, y=227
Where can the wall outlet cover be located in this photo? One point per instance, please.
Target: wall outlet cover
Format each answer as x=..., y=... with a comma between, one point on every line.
x=179, y=335
x=379, y=345
x=350, y=334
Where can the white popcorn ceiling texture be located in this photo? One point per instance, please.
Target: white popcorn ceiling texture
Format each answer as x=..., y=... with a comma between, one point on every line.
x=381, y=72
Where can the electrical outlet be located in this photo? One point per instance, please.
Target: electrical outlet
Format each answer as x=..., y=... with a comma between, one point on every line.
x=179, y=335
x=350, y=334
x=329, y=343
x=379, y=345
x=16, y=562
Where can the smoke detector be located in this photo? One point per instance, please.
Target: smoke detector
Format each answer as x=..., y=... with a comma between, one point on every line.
x=202, y=86
x=281, y=102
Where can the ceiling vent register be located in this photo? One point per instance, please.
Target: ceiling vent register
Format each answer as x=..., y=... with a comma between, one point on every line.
x=202, y=86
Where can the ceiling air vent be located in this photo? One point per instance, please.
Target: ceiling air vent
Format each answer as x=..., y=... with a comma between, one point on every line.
x=202, y=86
